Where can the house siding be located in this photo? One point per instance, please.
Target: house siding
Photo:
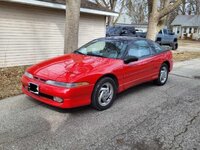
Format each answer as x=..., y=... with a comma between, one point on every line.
x=91, y=27
x=31, y=34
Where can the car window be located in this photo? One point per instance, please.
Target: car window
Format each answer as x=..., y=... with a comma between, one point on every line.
x=139, y=49
x=156, y=47
x=104, y=48
x=165, y=31
x=96, y=47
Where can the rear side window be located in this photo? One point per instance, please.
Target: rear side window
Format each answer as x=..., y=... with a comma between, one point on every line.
x=156, y=47
x=139, y=49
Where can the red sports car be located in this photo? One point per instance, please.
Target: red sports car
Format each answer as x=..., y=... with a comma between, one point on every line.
x=97, y=71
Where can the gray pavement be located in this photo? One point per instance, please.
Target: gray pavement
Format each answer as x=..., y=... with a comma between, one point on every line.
x=145, y=117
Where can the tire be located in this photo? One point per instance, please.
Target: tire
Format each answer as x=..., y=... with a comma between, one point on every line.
x=163, y=75
x=158, y=39
x=174, y=46
x=101, y=98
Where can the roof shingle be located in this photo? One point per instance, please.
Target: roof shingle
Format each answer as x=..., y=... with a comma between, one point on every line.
x=187, y=21
x=84, y=4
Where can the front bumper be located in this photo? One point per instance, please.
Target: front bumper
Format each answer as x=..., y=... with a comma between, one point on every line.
x=73, y=97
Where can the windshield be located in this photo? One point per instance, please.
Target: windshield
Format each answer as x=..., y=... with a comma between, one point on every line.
x=104, y=48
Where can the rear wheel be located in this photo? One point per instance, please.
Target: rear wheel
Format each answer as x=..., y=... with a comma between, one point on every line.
x=104, y=93
x=163, y=75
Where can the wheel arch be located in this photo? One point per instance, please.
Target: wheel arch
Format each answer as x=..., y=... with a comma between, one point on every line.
x=167, y=63
x=158, y=39
x=112, y=76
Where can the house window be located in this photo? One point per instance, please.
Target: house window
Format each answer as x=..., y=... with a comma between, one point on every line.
x=184, y=30
x=190, y=30
x=195, y=30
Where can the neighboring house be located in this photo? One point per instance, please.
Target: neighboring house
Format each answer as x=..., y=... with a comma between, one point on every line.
x=187, y=26
x=33, y=30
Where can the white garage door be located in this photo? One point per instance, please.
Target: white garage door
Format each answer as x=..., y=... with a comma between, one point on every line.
x=91, y=27
x=31, y=34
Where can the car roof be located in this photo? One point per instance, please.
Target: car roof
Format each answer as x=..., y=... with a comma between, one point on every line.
x=124, y=38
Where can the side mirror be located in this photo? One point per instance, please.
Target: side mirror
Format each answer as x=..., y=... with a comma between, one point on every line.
x=129, y=59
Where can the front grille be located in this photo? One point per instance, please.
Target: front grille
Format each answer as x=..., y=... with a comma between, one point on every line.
x=46, y=96
x=40, y=94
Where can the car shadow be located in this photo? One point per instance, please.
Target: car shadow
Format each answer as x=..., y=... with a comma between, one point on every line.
x=85, y=109
x=134, y=89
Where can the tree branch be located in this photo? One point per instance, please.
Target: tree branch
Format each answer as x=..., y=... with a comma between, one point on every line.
x=98, y=3
x=168, y=9
x=120, y=11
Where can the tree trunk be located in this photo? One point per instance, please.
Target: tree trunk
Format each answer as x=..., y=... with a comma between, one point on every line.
x=157, y=18
x=152, y=27
x=110, y=21
x=153, y=20
x=72, y=25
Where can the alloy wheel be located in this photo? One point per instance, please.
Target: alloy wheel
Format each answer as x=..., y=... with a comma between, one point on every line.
x=106, y=93
x=163, y=74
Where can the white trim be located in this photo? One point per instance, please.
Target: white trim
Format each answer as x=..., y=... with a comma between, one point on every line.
x=61, y=6
x=98, y=12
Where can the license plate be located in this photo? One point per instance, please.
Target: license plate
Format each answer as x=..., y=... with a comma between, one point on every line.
x=33, y=88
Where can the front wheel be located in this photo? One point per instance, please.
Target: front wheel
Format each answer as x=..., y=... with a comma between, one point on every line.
x=163, y=75
x=104, y=93
x=174, y=46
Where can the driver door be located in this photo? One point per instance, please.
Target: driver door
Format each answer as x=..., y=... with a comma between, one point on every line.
x=141, y=70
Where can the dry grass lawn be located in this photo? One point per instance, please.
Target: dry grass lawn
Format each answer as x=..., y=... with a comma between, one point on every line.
x=10, y=81
x=182, y=56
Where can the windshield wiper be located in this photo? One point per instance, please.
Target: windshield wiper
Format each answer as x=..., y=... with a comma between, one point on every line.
x=91, y=54
x=78, y=52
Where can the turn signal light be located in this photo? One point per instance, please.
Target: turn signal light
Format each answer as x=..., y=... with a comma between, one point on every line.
x=58, y=99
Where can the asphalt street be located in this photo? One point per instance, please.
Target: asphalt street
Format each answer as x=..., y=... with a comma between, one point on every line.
x=145, y=117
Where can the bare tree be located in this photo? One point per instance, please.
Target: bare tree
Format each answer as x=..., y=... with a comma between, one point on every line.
x=182, y=7
x=114, y=5
x=138, y=10
x=109, y=4
x=197, y=7
x=192, y=7
x=122, y=6
x=157, y=16
x=189, y=7
x=72, y=25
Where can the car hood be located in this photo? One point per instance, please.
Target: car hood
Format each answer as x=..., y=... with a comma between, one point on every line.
x=69, y=68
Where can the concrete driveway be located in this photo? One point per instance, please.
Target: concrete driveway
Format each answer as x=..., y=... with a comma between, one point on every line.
x=146, y=117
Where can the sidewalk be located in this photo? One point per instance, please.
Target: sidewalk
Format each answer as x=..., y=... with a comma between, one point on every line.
x=189, y=68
